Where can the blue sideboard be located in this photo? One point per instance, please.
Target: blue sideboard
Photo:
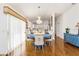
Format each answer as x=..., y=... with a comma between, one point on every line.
x=72, y=39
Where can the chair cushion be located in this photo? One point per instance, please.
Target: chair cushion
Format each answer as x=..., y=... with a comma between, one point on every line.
x=31, y=36
x=47, y=36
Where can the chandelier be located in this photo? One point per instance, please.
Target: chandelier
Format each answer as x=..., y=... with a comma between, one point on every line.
x=39, y=21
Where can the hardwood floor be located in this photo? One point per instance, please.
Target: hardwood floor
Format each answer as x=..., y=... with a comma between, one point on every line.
x=65, y=49
x=58, y=48
x=71, y=50
x=47, y=50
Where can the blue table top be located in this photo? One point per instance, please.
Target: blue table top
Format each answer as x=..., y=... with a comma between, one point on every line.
x=46, y=36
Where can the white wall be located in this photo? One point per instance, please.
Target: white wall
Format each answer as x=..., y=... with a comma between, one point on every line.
x=52, y=31
x=68, y=19
x=59, y=24
x=3, y=31
x=53, y=26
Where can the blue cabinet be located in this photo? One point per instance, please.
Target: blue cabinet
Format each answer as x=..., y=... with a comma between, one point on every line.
x=72, y=39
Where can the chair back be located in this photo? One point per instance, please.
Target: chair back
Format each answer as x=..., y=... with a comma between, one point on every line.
x=39, y=40
x=51, y=33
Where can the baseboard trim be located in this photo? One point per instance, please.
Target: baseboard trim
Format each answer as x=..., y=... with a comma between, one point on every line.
x=59, y=37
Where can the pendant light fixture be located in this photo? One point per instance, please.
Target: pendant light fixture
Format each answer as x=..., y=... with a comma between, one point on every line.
x=39, y=21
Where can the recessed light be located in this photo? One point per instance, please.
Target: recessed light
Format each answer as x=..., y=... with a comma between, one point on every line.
x=38, y=6
x=73, y=3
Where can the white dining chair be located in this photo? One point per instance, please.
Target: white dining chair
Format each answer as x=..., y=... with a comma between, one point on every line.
x=39, y=41
x=51, y=39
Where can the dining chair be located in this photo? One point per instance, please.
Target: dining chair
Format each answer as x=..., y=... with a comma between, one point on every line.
x=39, y=41
x=51, y=39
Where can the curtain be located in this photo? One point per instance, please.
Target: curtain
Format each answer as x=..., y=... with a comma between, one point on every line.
x=16, y=31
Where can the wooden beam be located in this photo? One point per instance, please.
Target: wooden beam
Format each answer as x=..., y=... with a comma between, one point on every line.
x=8, y=10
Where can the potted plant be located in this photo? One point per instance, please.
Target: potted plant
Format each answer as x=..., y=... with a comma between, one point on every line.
x=67, y=30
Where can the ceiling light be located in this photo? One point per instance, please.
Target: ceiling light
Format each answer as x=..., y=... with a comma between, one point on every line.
x=39, y=21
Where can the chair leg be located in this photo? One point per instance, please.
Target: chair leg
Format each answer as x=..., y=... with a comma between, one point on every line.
x=50, y=43
x=35, y=48
x=42, y=48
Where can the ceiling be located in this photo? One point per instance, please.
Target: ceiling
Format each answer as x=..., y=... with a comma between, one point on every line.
x=32, y=11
